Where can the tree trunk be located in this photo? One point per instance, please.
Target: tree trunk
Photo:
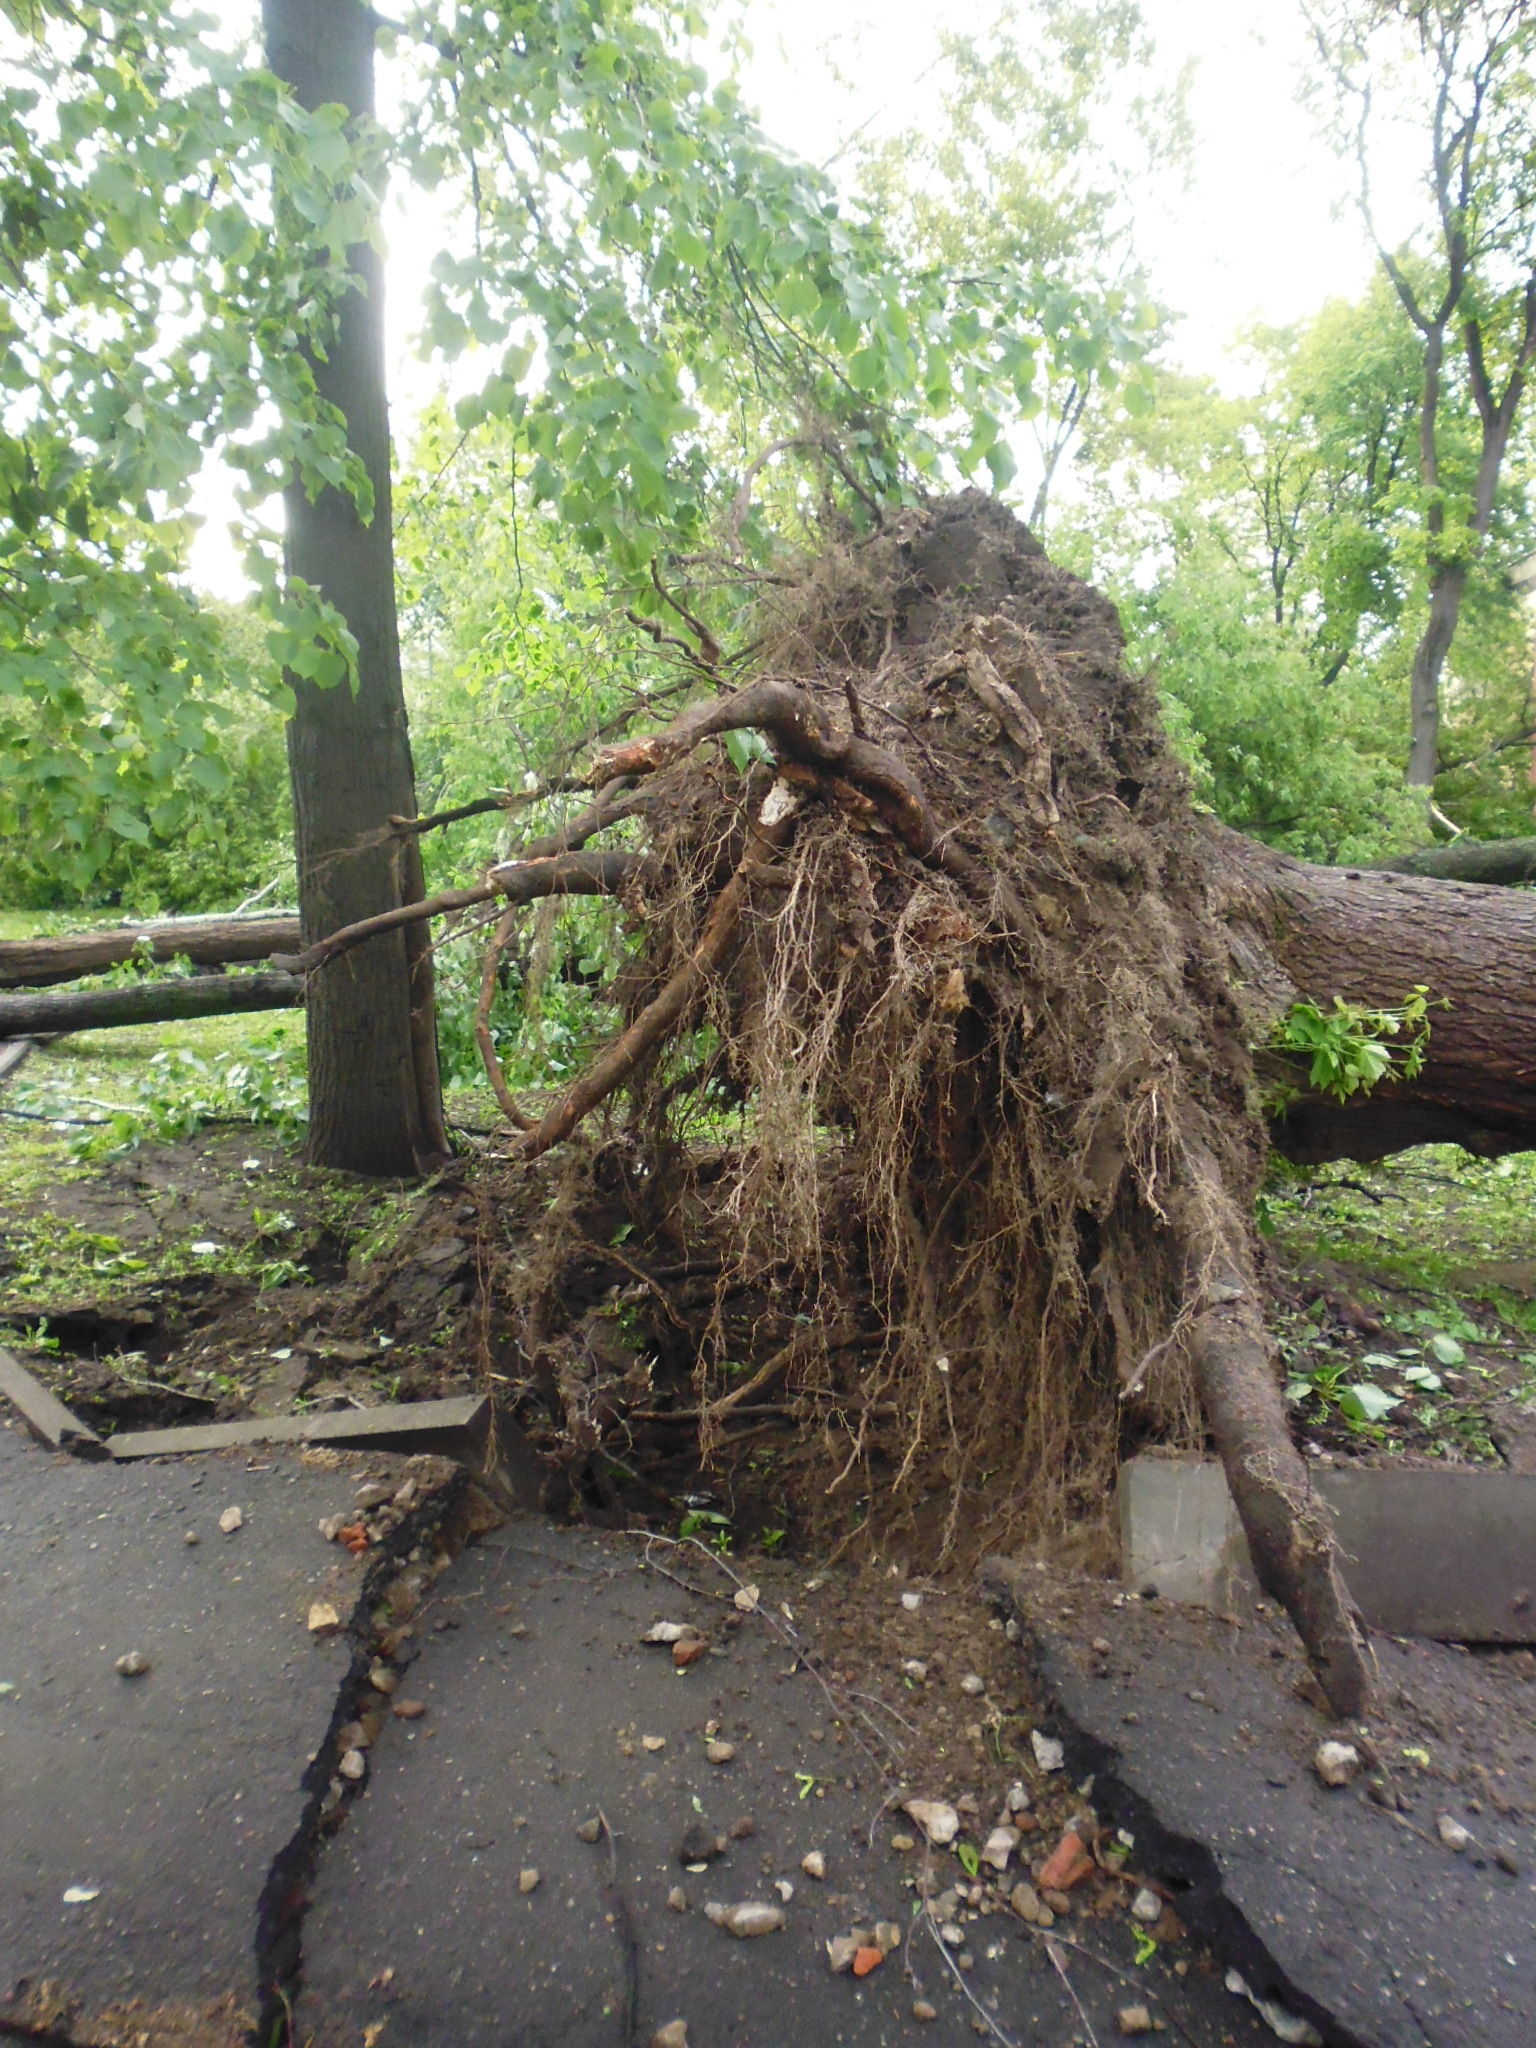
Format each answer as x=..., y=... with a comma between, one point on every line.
x=210, y=941
x=152, y=1002
x=1447, y=586
x=1509, y=862
x=375, y=1104
x=1372, y=938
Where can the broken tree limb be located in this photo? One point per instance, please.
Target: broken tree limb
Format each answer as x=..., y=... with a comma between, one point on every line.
x=1506, y=862
x=207, y=941
x=571, y=874
x=151, y=1002
x=1290, y=1536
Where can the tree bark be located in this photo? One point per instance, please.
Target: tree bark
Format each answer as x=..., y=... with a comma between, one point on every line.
x=152, y=1002
x=209, y=941
x=1508, y=862
x=375, y=1102
x=1372, y=938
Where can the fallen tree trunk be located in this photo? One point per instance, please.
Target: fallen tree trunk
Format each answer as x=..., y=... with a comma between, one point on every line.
x=1372, y=938
x=152, y=1002
x=1503, y=861
x=207, y=941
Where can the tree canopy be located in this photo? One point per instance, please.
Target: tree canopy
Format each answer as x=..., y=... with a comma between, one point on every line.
x=659, y=294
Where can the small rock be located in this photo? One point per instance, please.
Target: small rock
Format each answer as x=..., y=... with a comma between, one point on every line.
x=1134, y=2019
x=381, y=1678
x=668, y=1632
x=354, y=1735
x=688, y=1651
x=951, y=1935
x=914, y=1667
x=1147, y=1907
x=323, y=1618
x=1337, y=1763
x=133, y=1665
x=785, y=1889
x=653, y=1743
x=867, y=1959
x=1506, y=1863
x=814, y=1864
x=1058, y=1902
x=1050, y=1755
x=590, y=1830
x=372, y=1495
x=902, y=1843
x=192, y=1537
x=1102, y=1646
x=677, y=1899
x=231, y=1520
x=1452, y=1833
x=700, y=1844
x=1018, y=1798
x=743, y=1828
x=938, y=1820
x=717, y=1752
x=747, y=1920
x=745, y=1598
x=408, y=1710
x=1068, y=1864
x=1001, y=1844
x=967, y=1803
x=973, y=1684
x=1025, y=1901
x=673, y=2035
x=911, y=1602
x=353, y=1766
x=922, y=2010
x=841, y=1950
x=887, y=1936
x=527, y=1880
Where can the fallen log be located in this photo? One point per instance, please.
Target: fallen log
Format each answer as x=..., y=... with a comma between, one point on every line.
x=152, y=1002
x=1505, y=861
x=207, y=941
x=1372, y=937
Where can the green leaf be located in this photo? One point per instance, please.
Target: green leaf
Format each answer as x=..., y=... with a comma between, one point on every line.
x=1362, y=1402
x=1446, y=1349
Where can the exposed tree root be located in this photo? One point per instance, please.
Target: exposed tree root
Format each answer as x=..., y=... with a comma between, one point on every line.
x=933, y=1115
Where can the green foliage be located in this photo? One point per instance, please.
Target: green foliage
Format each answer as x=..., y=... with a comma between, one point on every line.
x=1029, y=166
x=174, y=232
x=1348, y=1049
x=1269, y=556
x=178, y=1091
x=689, y=291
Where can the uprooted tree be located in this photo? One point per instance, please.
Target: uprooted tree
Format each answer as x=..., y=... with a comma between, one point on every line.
x=935, y=1119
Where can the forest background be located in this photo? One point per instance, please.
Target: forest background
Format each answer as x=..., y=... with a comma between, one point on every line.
x=1250, y=498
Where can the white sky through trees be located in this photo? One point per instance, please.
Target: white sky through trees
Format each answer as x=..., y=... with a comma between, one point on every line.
x=1256, y=234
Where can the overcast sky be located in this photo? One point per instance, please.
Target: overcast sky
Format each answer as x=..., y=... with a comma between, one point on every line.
x=1258, y=234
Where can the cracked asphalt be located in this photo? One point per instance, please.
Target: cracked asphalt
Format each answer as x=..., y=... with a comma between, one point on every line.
x=187, y=1866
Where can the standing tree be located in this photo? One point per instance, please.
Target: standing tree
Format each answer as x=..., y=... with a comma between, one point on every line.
x=1461, y=72
x=375, y=1104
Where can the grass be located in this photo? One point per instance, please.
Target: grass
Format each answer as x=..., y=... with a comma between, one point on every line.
x=1438, y=1248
